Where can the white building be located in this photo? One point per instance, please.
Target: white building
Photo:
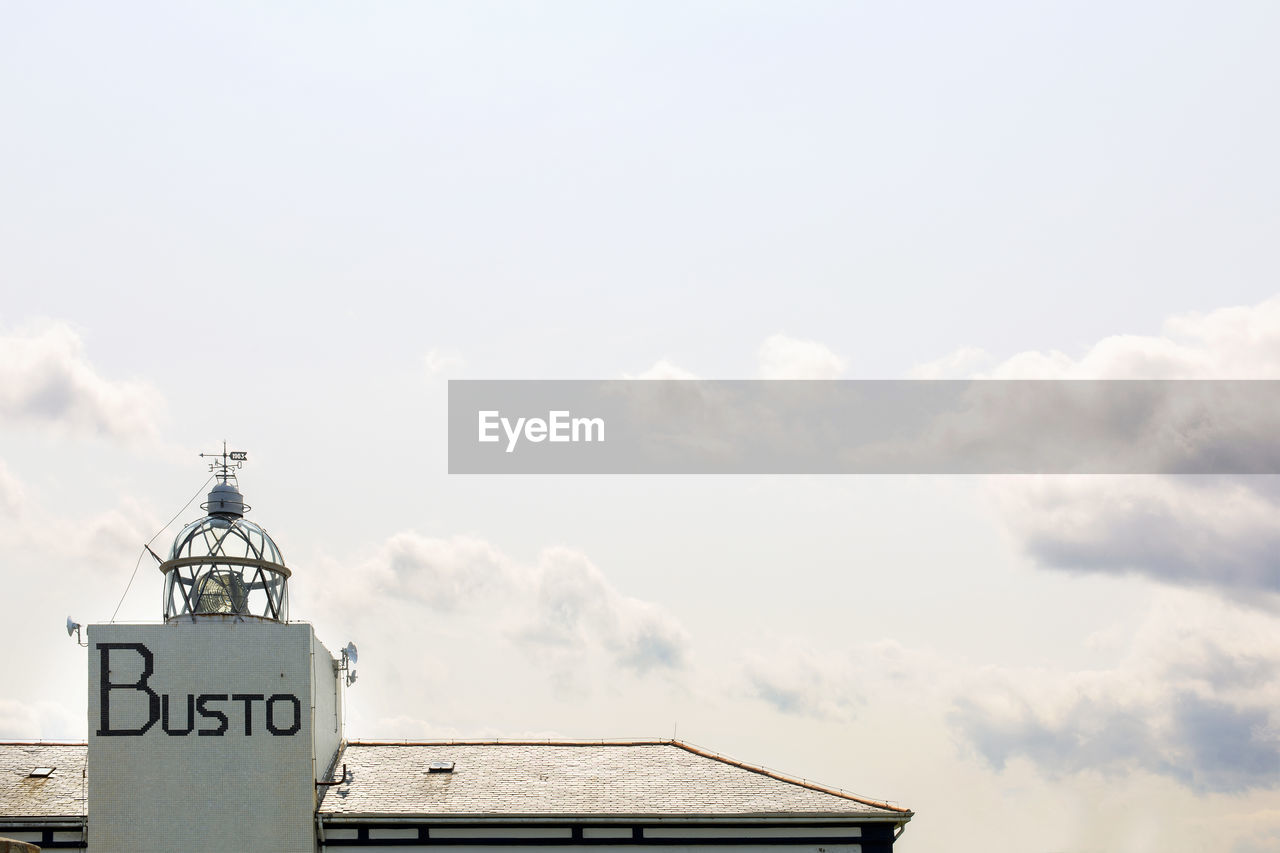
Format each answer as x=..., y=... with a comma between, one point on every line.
x=221, y=730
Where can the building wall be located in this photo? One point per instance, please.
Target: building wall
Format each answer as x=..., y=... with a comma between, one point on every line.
x=385, y=843
x=712, y=837
x=201, y=736
x=327, y=704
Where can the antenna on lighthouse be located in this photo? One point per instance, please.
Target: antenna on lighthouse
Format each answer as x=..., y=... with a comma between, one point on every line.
x=225, y=500
x=231, y=461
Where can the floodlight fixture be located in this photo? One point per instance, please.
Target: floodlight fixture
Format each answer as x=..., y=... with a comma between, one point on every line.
x=73, y=630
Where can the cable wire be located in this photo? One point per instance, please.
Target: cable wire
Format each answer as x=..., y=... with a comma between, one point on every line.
x=152, y=539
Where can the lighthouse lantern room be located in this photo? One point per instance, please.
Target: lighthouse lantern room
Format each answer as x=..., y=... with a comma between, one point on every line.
x=224, y=564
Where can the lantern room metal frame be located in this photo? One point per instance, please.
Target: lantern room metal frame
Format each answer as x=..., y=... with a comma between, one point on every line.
x=224, y=564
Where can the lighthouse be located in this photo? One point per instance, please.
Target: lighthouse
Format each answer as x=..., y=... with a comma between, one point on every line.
x=218, y=727
x=210, y=730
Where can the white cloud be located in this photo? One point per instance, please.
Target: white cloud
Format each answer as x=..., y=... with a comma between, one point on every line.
x=46, y=379
x=960, y=364
x=663, y=369
x=577, y=607
x=12, y=498
x=1198, y=531
x=1192, y=695
x=1259, y=834
x=405, y=727
x=803, y=682
x=833, y=684
x=1194, y=699
x=43, y=719
x=18, y=720
x=111, y=536
x=779, y=357
x=441, y=573
x=782, y=357
x=560, y=605
x=439, y=362
x=1220, y=533
x=1240, y=342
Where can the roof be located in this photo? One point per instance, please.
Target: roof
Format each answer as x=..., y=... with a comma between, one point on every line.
x=498, y=779
x=60, y=795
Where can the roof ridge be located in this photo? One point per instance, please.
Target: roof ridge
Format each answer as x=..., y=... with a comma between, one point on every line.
x=519, y=741
x=783, y=777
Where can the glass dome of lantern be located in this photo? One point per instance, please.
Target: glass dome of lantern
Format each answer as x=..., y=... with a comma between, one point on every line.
x=224, y=564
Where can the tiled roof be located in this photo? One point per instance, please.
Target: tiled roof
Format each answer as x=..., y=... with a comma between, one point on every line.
x=610, y=778
x=60, y=795
x=495, y=779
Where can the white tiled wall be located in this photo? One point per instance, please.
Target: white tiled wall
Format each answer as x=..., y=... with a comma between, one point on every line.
x=242, y=785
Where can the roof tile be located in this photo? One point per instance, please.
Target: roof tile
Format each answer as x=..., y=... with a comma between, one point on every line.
x=62, y=794
x=633, y=778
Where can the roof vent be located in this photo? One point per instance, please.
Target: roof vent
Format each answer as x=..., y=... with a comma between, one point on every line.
x=440, y=767
x=41, y=773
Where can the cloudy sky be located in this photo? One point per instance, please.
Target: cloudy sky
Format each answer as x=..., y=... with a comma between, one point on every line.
x=289, y=225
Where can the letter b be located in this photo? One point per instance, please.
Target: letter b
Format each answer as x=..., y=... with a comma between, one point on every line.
x=106, y=685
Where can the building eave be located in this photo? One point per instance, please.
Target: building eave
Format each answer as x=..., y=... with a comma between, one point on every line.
x=788, y=818
x=52, y=822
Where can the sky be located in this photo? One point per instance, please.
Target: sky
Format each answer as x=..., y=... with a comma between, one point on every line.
x=289, y=225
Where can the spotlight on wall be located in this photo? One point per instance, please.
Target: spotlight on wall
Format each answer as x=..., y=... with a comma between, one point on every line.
x=73, y=629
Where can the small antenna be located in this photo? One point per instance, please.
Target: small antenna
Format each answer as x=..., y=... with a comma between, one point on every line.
x=349, y=656
x=228, y=462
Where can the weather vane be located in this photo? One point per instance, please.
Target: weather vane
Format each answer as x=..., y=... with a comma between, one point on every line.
x=227, y=462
